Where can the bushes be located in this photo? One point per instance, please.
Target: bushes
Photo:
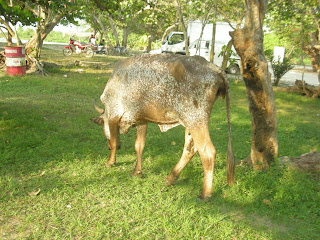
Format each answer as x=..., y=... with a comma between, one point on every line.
x=280, y=68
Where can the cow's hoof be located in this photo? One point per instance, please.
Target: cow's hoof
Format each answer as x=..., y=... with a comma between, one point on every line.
x=109, y=165
x=137, y=174
x=205, y=197
x=171, y=180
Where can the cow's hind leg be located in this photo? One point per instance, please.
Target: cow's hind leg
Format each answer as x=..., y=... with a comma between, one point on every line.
x=207, y=153
x=139, y=147
x=113, y=143
x=188, y=152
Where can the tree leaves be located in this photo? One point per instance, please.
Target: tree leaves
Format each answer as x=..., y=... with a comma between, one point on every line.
x=17, y=13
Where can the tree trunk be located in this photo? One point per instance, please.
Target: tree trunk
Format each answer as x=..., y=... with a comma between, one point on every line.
x=125, y=34
x=8, y=37
x=38, y=43
x=150, y=40
x=42, y=32
x=213, y=37
x=19, y=42
x=33, y=47
x=276, y=81
x=11, y=32
x=226, y=56
x=308, y=90
x=9, y=40
x=167, y=30
x=203, y=24
x=314, y=54
x=248, y=43
x=114, y=30
x=184, y=29
x=103, y=29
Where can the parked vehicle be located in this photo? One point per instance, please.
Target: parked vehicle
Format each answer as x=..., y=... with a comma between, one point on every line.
x=77, y=47
x=174, y=43
x=121, y=50
x=99, y=49
x=110, y=50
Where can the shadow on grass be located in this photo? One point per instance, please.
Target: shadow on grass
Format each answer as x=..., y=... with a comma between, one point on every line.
x=45, y=126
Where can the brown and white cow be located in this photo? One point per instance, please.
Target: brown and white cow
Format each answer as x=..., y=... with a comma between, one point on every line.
x=168, y=90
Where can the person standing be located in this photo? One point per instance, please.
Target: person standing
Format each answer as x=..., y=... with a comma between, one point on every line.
x=92, y=40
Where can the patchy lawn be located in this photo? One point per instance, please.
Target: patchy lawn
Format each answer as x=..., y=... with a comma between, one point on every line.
x=54, y=185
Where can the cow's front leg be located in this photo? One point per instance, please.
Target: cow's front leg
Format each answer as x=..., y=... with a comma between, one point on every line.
x=139, y=147
x=113, y=143
x=188, y=152
x=207, y=153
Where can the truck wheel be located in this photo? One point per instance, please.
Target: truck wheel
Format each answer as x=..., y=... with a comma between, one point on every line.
x=234, y=69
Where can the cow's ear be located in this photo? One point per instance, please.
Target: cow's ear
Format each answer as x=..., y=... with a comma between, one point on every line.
x=97, y=120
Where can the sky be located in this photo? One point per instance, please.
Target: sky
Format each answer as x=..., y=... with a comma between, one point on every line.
x=82, y=29
x=71, y=28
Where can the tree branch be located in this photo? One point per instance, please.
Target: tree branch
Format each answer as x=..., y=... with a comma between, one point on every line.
x=101, y=6
x=168, y=29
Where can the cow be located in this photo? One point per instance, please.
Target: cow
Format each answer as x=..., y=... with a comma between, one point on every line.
x=169, y=90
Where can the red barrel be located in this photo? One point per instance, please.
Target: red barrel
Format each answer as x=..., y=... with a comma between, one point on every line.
x=15, y=60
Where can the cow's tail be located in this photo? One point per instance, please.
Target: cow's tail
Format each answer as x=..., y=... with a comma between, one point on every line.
x=230, y=155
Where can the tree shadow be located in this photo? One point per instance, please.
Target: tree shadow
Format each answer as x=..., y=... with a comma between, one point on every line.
x=44, y=127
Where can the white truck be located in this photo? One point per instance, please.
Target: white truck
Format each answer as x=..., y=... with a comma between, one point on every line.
x=174, y=43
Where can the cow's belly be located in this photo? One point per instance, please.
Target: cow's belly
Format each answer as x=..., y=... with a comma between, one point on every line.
x=159, y=114
x=165, y=118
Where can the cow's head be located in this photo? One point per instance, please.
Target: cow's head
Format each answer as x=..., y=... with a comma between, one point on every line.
x=98, y=120
x=103, y=120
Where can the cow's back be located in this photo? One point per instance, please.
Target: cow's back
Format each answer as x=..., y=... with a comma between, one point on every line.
x=176, y=87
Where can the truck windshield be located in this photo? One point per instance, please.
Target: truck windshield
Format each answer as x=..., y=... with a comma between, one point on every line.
x=176, y=38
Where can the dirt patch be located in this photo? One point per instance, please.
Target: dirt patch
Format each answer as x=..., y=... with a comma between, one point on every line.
x=12, y=229
x=308, y=162
x=266, y=222
x=301, y=88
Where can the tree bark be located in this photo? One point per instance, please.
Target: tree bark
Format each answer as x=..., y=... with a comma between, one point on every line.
x=42, y=32
x=150, y=40
x=103, y=29
x=9, y=39
x=313, y=49
x=125, y=34
x=306, y=89
x=167, y=30
x=203, y=24
x=11, y=32
x=213, y=37
x=184, y=28
x=114, y=30
x=49, y=20
x=248, y=43
x=226, y=56
x=314, y=54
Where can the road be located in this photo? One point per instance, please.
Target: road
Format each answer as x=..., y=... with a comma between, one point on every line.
x=288, y=79
x=296, y=74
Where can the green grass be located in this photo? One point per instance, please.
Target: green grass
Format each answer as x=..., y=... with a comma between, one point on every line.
x=47, y=142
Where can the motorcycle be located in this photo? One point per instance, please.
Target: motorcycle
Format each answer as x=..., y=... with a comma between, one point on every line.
x=76, y=47
x=99, y=49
